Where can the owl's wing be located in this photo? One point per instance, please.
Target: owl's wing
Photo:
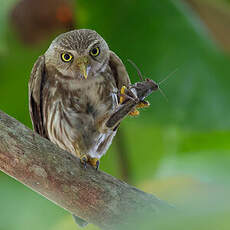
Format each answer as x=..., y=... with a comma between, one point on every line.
x=119, y=71
x=35, y=95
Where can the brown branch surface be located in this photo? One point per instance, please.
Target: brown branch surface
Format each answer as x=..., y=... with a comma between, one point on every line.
x=59, y=176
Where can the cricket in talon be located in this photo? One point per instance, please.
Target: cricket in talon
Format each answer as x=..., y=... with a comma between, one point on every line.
x=124, y=96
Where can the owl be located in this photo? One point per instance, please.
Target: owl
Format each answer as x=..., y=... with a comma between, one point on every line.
x=73, y=88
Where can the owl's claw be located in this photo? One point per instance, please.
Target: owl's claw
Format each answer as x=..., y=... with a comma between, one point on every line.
x=134, y=113
x=126, y=93
x=94, y=162
x=97, y=164
x=122, y=97
x=143, y=104
x=84, y=159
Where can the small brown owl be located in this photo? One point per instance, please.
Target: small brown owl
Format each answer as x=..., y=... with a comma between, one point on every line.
x=72, y=89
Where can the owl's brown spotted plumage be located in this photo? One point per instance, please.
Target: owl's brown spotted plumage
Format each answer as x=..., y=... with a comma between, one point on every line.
x=73, y=87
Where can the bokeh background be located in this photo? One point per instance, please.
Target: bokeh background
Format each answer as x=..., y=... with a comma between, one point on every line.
x=178, y=149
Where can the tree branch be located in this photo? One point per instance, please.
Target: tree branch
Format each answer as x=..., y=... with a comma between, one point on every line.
x=59, y=176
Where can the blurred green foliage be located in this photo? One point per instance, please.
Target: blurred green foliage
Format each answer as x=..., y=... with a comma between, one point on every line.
x=186, y=137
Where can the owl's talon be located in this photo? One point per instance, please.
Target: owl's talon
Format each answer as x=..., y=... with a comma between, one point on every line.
x=84, y=159
x=97, y=165
x=94, y=162
x=134, y=113
x=143, y=104
x=126, y=93
x=122, y=97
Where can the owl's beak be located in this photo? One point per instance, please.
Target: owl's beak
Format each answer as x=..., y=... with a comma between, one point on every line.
x=82, y=63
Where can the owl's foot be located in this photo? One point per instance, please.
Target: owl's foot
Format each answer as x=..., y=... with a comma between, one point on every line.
x=84, y=159
x=90, y=160
x=143, y=104
x=122, y=97
x=94, y=162
x=134, y=113
x=127, y=93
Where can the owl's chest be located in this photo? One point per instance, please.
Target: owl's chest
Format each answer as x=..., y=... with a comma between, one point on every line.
x=93, y=98
x=73, y=112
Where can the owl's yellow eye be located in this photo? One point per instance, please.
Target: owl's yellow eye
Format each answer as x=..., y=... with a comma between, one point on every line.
x=95, y=51
x=66, y=57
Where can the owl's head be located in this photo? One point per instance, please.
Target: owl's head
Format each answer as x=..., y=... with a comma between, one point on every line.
x=78, y=54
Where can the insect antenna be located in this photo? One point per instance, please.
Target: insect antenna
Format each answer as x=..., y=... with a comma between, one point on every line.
x=168, y=76
x=162, y=81
x=163, y=94
x=137, y=69
x=165, y=79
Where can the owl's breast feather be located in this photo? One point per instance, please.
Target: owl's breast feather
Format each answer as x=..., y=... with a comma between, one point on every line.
x=73, y=115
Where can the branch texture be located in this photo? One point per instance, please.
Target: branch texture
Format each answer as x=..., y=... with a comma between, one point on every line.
x=92, y=195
